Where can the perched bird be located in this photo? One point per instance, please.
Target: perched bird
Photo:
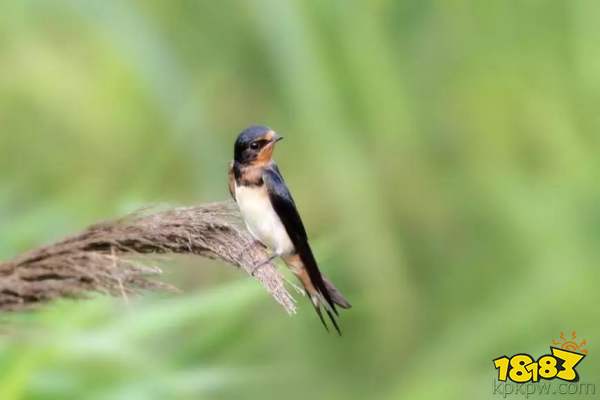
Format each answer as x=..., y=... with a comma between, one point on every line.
x=270, y=214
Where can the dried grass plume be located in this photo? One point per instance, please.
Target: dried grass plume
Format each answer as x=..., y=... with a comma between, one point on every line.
x=110, y=257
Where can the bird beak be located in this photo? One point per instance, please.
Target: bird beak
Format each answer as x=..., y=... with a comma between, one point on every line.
x=276, y=138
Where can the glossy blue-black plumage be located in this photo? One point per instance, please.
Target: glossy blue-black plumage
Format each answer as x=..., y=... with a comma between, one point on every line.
x=285, y=207
x=246, y=137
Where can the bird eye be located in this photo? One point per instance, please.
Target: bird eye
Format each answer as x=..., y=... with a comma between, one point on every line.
x=254, y=145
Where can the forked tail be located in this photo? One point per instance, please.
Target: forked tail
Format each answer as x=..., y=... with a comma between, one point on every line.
x=319, y=301
x=322, y=293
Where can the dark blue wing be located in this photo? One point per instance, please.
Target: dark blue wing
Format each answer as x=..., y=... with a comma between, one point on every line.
x=284, y=206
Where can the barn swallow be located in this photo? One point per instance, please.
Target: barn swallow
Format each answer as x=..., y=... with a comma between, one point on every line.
x=272, y=218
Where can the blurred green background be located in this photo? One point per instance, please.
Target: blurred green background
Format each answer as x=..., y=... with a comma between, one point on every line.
x=443, y=154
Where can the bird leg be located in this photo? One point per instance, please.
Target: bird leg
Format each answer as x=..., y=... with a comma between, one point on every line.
x=268, y=260
x=273, y=257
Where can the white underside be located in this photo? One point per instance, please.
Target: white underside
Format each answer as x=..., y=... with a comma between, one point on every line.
x=261, y=219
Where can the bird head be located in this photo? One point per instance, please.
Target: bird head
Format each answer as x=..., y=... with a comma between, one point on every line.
x=254, y=146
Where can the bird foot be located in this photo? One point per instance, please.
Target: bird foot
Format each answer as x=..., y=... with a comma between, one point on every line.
x=257, y=267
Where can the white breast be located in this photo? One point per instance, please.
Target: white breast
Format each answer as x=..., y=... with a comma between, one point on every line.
x=262, y=220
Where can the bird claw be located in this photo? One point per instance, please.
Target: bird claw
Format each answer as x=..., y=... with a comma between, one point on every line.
x=262, y=264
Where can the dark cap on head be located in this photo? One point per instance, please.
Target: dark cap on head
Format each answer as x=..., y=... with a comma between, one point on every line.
x=252, y=141
x=252, y=133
